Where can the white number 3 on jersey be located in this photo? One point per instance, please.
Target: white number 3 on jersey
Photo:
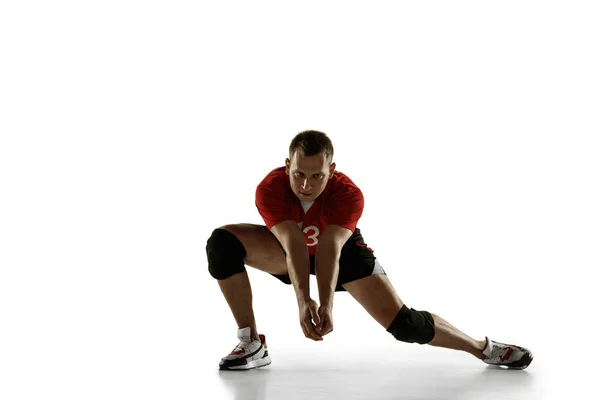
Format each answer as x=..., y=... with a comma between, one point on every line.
x=313, y=236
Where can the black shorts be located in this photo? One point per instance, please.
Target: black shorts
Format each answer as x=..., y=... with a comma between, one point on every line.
x=356, y=261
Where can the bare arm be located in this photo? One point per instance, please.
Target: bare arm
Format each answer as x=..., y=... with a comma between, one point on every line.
x=327, y=260
x=292, y=239
x=298, y=264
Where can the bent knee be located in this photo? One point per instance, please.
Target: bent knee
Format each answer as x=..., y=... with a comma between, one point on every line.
x=245, y=233
x=225, y=253
x=230, y=227
x=412, y=326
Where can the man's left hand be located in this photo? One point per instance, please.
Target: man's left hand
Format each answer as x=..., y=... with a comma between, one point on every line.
x=325, y=324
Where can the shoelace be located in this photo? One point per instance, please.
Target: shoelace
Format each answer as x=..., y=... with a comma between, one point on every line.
x=498, y=351
x=240, y=346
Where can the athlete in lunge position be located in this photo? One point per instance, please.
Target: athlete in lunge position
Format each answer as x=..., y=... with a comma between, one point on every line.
x=311, y=212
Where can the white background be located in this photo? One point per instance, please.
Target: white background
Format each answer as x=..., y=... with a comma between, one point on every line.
x=130, y=130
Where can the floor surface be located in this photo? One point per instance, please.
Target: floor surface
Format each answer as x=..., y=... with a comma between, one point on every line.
x=409, y=372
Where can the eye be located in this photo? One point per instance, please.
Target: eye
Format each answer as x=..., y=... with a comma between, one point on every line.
x=299, y=174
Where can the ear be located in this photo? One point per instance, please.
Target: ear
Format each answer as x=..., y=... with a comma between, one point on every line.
x=287, y=166
x=331, y=170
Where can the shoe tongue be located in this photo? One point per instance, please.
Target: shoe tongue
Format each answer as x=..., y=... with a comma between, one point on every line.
x=244, y=334
x=488, y=347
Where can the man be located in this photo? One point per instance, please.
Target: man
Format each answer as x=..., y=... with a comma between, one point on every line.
x=311, y=212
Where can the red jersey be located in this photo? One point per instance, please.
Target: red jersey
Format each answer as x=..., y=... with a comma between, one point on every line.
x=341, y=203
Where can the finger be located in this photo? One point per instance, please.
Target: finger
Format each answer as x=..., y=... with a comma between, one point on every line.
x=304, y=331
x=310, y=332
x=306, y=335
x=324, y=328
x=327, y=329
x=314, y=335
x=319, y=325
x=327, y=326
x=314, y=313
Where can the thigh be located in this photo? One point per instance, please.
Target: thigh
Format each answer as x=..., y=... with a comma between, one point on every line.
x=377, y=296
x=367, y=282
x=357, y=261
x=263, y=250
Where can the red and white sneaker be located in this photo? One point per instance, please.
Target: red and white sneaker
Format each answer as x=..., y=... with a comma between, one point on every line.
x=508, y=355
x=247, y=354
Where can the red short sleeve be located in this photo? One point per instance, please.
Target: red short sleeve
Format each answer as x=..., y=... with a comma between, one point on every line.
x=273, y=205
x=346, y=207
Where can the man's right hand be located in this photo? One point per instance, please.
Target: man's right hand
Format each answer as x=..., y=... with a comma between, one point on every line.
x=309, y=319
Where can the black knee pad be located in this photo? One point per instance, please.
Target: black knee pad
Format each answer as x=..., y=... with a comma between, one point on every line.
x=412, y=326
x=225, y=254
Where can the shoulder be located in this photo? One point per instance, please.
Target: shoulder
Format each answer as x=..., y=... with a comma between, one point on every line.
x=340, y=185
x=274, y=187
x=275, y=179
x=342, y=179
x=344, y=202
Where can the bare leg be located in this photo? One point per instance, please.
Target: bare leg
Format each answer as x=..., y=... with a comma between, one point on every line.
x=262, y=252
x=377, y=295
x=238, y=293
x=450, y=337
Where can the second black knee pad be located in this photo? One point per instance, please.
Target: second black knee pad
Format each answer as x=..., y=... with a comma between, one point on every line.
x=412, y=326
x=225, y=254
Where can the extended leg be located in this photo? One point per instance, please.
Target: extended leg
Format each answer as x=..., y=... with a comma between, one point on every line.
x=450, y=337
x=377, y=295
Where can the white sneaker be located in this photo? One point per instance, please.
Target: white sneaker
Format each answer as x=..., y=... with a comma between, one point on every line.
x=247, y=354
x=508, y=355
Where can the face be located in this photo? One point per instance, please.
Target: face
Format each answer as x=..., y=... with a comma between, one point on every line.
x=308, y=174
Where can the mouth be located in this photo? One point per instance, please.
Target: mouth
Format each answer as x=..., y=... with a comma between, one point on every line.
x=305, y=194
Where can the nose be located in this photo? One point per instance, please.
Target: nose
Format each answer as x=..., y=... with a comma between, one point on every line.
x=305, y=184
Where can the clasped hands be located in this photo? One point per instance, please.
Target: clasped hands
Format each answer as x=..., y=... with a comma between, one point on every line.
x=316, y=321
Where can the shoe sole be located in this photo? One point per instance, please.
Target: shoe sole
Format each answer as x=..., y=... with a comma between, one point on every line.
x=527, y=360
x=519, y=364
x=261, y=362
x=258, y=363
